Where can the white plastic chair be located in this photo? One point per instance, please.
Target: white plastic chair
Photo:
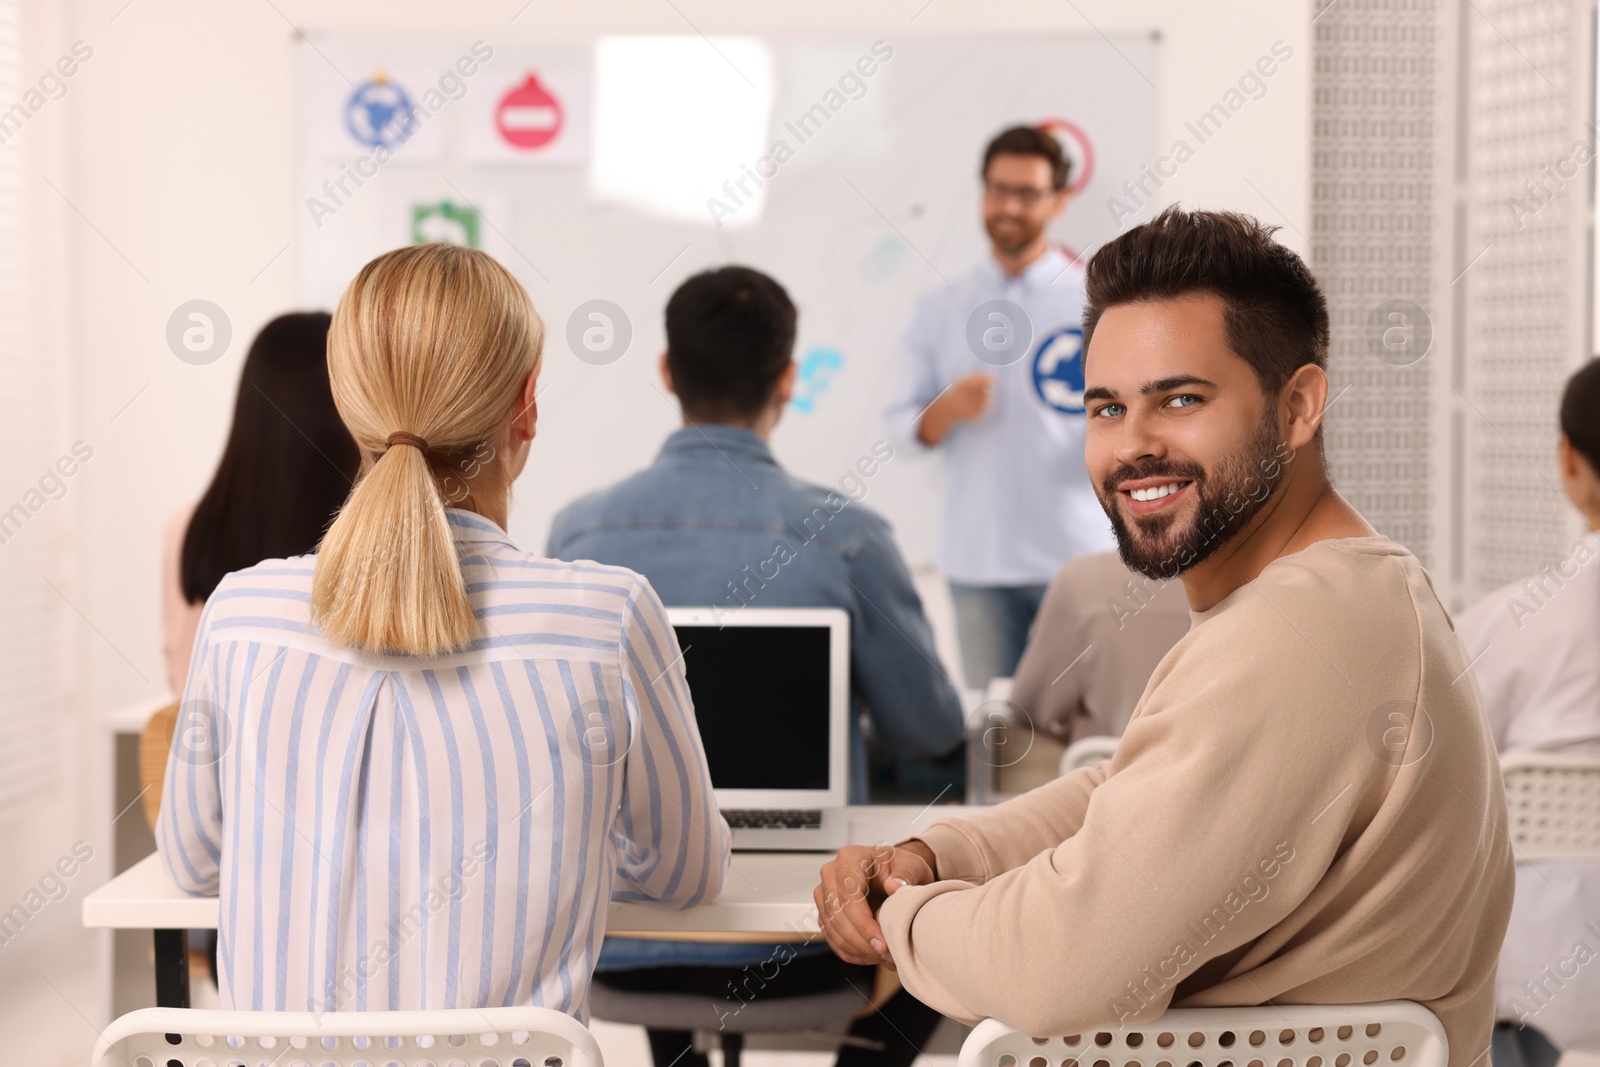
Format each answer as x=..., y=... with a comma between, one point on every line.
x=997, y=689
x=1553, y=804
x=1395, y=1033
x=479, y=1037
x=988, y=713
x=1086, y=752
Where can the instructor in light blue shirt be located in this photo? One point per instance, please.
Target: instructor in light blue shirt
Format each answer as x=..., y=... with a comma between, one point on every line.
x=991, y=375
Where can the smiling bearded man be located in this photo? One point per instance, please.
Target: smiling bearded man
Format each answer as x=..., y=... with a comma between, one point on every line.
x=1150, y=538
x=1306, y=807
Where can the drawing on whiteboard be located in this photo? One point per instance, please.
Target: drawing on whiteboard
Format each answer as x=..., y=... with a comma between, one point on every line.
x=816, y=372
x=882, y=259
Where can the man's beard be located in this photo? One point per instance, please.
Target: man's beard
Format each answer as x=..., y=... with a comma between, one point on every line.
x=1019, y=235
x=1156, y=546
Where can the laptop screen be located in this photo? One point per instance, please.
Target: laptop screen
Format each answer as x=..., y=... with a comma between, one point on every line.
x=761, y=701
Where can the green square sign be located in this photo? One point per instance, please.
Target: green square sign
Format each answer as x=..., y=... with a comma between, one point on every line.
x=443, y=221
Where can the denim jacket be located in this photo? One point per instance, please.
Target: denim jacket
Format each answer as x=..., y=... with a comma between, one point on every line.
x=715, y=522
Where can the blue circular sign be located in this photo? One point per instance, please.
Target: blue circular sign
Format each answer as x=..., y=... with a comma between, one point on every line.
x=379, y=114
x=1058, y=370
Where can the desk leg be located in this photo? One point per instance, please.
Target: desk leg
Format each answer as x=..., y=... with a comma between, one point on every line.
x=172, y=968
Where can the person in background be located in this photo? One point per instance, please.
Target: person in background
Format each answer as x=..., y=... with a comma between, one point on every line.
x=1533, y=646
x=1100, y=633
x=716, y=522
x=287, y=466
x=395, y=721
x=991, y=376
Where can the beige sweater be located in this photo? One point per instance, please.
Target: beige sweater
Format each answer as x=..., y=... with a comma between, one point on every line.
x=1279, y=824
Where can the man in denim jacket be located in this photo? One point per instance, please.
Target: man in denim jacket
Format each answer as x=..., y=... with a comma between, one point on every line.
x=715, y=522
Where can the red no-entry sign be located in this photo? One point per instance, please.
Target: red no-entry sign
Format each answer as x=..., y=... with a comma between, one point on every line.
x=528, y=116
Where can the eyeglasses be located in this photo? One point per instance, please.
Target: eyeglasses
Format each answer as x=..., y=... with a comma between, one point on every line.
x=1026, y=195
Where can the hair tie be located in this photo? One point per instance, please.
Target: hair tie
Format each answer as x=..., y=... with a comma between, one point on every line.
x=401, y=437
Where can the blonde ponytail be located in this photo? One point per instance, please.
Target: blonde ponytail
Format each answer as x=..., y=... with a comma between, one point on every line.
x=430, y=345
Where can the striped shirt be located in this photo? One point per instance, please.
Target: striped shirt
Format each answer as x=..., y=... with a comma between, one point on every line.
x=393, y=832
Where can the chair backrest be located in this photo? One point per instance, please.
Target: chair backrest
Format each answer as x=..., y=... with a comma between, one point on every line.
x=471, y=1037
x=1553, y=805
x=989, y=715
x=997, y=689
x=1395, y=1033
x=1086, y=752
x=155, y=742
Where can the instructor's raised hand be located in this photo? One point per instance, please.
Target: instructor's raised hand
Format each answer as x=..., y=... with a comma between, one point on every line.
x=963, y=401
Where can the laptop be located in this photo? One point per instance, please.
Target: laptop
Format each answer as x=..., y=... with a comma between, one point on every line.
x=771, y=691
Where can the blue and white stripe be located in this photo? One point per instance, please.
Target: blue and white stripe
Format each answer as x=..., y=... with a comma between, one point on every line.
x=388, y=832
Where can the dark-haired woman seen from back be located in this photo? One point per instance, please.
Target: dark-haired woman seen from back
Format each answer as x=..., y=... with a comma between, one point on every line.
x=287, y=466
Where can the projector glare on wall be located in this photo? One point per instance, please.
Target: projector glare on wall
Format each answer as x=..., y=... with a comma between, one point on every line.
x=676, y=118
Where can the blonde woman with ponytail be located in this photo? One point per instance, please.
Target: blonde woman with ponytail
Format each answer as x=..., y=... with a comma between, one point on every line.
x=416, y=765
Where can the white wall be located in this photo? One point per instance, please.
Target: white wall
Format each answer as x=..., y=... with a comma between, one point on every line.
x=182, y=172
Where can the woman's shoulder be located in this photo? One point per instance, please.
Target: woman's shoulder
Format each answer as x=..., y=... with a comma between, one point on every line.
x=541, y=605
x=513, y=576
x=272, y=570
x=512, y=562
x=1515, y=612
x=266, y=601
x=276, y=581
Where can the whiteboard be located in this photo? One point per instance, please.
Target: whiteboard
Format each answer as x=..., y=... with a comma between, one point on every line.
x=589, y=166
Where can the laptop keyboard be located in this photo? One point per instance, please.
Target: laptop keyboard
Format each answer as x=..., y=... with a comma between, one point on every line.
x=772, y=819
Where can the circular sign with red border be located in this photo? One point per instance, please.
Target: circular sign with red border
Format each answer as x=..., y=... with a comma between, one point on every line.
x=529, y=116
x=1075, y=143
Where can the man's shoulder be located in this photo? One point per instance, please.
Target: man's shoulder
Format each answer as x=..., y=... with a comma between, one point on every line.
x=1100, y=574
x=958, y=293
x=1318, y=645
x=1344, y=555
x=1069, y=271
x=605, y=505
x=580, y=511
x=1336, y=614
x=1063, y=293
x=832, y=514
x=1099, y=594
x=849, y=521
x=1343, y=583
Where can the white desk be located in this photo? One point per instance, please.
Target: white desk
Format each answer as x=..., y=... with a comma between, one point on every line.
x=767, y=897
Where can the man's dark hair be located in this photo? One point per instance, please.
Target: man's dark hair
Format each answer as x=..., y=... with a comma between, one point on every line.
x=730, y=334
x=1030, y=141
x=1275, y=316
x=1580, y=412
